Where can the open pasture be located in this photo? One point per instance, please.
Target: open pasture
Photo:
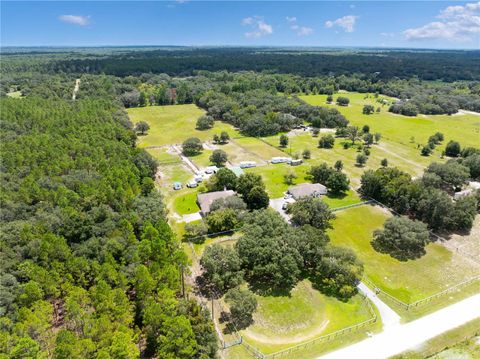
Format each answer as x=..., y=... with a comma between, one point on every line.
x=174, y=124
x=408, y=281
x=399, y=129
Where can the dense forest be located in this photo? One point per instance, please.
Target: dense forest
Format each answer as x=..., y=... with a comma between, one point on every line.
x=90, y=268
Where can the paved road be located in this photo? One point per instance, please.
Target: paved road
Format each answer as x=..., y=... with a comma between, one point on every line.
x=389, y=317
x=277, y=204
x=397, y=339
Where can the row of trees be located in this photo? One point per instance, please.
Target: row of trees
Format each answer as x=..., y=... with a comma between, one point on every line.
x=427, y=198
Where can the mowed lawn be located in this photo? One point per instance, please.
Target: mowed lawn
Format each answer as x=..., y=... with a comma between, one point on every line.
x=174, y=124
x=408, y=281
x=283, y=321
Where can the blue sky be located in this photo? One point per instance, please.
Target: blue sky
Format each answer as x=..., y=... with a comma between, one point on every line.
x=425, y=24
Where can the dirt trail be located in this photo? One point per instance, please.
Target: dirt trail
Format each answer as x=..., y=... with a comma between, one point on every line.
x=75, y=89
x=413, y=163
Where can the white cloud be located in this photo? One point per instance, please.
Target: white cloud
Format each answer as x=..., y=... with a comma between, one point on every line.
x=75, y=19
x=347, y=23
x=455, y=23
x=300, y=30
x=258, y=25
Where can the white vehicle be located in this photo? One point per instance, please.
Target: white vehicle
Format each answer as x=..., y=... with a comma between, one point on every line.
x=287, y=202
x=192, y=184
x=198, y=178
x=280, y=160
x=248, y=164
x=211, y=169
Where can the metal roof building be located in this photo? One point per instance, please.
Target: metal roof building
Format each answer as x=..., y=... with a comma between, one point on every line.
x=205, y=200
x=308, y=189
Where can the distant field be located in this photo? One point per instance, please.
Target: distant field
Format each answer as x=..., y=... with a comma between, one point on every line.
x=398, y=128
x=173, y=124
x=408, y=281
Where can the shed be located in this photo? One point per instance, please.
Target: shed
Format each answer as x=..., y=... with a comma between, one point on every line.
x=237, y=170
x=205, y=200
x=307, y=190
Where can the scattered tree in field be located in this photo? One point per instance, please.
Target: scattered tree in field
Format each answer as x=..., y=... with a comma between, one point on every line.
x=326, y=141
x=343, y=101
x=243, y=304
x=205, y=122
x=219, y=157
x=311, y=211
x=366, y=129
x=329, y=99
x=221, y=267
x=224, y=137
x=384, y=162
x=216, y=138
x=337, y=183
x=192, y=146
x=452, y=149
x=257, y=198
x=315, y=132
x=306, y=154
x=377, y=136
x=352, y=133
x=338, y=165
x=368, y=109
x=378, y=109
x=361, y=160
x=289, y=177
x=320, y=173
x=223, y=179
x=366, y=151
x=368, y=139
x=426, y=151
x=402, y=238
x=142, y=127
x=283, y=141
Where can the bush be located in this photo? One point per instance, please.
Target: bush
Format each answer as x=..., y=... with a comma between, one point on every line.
x=205, y=122
x=361, y=160
x=326, y=141
x=343, y=101
x=452, y=149
x=306, y=154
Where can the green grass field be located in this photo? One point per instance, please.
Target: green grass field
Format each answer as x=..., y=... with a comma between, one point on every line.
x=173, y=124
x=398, y=128
x=408, y=281
x=284, y=321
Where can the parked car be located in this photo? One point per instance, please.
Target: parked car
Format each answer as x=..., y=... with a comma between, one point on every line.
x=198, y=178
x=177, y=186
x=211, y=169
x=192, y=184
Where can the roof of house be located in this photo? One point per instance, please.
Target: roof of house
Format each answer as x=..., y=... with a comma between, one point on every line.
x=307, y=189
x=205, y=200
